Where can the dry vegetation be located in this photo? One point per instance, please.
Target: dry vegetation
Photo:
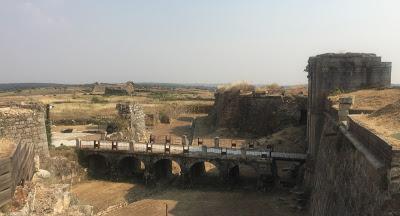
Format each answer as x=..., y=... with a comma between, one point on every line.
x=369, y=99
x=236, y=86
x=385, y=122
x=385, y=107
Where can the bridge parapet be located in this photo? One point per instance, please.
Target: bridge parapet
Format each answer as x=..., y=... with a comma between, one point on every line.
x=188, y=151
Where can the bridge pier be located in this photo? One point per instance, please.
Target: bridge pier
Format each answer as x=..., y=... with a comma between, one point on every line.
x=274, y=171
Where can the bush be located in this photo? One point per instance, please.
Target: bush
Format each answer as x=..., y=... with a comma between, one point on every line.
x=98, y=100
x=236, y=86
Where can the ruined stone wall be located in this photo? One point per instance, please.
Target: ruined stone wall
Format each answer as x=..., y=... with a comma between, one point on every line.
x=137, y=120
x=25, y=125
x=260, y=115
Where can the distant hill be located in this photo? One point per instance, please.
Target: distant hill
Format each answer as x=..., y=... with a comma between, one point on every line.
x=22, y=86
x=15, y=86
x=396, y=85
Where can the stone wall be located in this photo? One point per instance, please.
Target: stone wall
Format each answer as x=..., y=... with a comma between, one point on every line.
x=137, y=120
x=345, y=182
x=339, y=72
x=259, y=115
x=25, y=125
x=350, y=170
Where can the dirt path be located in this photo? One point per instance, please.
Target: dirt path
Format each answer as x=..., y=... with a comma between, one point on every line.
x=181, y=202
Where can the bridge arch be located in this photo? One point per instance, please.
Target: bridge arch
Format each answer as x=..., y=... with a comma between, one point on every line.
x=130, y=166
x=97, y=164
x=203, y=171
x=166, y=167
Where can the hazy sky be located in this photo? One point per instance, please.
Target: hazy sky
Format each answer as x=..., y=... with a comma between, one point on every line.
x=191, y=41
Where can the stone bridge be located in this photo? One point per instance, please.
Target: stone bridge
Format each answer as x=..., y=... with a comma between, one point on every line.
x=155, y=161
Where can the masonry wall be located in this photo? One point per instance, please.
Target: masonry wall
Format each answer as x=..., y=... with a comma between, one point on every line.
x=350, y=171
x=329, y=72
x=260, y=115
x=344, y=180
x=25, y=125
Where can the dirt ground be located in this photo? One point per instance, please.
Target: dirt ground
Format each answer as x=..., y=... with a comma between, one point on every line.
x=134, y=199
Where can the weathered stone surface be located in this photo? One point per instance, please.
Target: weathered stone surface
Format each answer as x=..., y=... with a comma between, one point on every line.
x=135, y=114
x=257, y=115
x=44, y=174
x=345, y=183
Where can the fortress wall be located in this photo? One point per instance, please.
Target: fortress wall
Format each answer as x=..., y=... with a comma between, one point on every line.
x=328, y=73
x=351, y=171
x=260, y=115
x=376, y=145
x=345, y=182
x=25, y=125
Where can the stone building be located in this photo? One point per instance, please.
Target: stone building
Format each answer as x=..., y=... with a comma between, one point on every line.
x=127, y=88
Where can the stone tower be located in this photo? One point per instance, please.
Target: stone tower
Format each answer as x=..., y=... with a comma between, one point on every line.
x=331, y=72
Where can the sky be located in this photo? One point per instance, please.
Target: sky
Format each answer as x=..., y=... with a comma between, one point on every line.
x=188, y=41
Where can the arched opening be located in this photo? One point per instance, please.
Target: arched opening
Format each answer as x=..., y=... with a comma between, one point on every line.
x=204, y=172
x=166, y=168
x=97, y=165
x=130, y=166
x=243, y=174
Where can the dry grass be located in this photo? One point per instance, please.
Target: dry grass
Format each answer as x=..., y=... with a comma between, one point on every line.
x=370, y=99
x=236, y=86
x=82, y=110
x=291, y=139
x=385, y=122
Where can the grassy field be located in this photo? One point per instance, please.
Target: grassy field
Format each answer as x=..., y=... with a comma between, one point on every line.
x=77, y=105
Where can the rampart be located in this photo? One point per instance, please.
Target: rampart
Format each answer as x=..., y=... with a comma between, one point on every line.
x=350, y=169
x=257, y=114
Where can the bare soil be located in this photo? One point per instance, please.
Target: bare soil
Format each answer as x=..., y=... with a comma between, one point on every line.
x=130, y=198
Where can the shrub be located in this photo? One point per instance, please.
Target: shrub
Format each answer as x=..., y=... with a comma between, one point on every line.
x=98, y=100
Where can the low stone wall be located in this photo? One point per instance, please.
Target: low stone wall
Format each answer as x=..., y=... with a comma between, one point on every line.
x=376, y=145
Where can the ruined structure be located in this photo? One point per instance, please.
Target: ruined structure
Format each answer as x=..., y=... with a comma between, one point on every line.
x=22, y=128
x=256, y=113
x=137, y=120
x=25, y=124
x=350, y=169
x=127, y=88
